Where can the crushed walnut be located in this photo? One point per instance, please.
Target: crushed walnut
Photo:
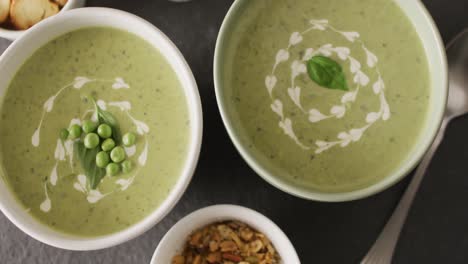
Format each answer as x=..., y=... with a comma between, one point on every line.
x=229, y=242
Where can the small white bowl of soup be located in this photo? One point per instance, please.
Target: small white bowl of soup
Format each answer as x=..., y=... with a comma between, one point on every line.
x=68, y=182
x=29, y=12
x=331, y=100
x=175, y=239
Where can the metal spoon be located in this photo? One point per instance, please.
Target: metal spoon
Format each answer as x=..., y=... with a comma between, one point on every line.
x=457, y=55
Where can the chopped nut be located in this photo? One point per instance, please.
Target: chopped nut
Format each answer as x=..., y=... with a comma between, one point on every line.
x=227, y=243
x=271, y=250
x=197, y=260
x=213, y=257
x=236, y=239
x=178, y=260
x=228, y=246
x=216, y=236
x=246, y=234
x=252, y=259
x=232, y=257
x=195, y=240
x=256, y=246
x=225, y=231
x=214, y=246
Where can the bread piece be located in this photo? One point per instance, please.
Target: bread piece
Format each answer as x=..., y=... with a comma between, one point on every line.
x=4, y=10
x=61, y=3
x=25, y=13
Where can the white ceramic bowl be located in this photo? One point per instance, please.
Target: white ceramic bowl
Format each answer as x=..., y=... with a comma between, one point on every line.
x=173, y=242
x=12, y=34
x=437, y=62
x=55, y=26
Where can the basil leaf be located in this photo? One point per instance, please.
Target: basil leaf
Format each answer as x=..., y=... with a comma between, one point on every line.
x=327, y=73
x=87, y=158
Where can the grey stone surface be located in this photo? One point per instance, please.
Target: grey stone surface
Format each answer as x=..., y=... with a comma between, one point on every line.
x=436, y=231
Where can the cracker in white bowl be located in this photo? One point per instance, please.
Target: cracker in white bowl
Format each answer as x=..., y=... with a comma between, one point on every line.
x=25, y=13
x=4, y=10
x=61, y=3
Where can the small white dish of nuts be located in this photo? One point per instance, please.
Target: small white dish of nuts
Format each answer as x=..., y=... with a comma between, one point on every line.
x=16, y=16
x=225, y=234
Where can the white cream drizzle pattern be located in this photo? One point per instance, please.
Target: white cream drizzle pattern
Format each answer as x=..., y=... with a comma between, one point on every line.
x=78, y=83
x=46, y=205
x=360, y=79
x=64, y=149
x=53, y=175
x=130, y=151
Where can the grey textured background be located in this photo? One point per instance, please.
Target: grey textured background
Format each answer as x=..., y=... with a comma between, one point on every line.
x=436, y=230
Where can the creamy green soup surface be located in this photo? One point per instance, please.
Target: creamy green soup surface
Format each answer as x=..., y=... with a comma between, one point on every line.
x=311, y=136
x=130, y=79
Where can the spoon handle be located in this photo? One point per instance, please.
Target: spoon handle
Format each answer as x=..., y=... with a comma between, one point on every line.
x=384, y=247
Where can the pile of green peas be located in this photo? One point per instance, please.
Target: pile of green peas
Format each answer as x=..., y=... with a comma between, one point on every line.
x=111, y=157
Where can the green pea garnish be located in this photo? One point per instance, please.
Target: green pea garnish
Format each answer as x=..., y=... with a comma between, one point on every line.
x=74, y=131
x=102, y=159
x=108, y=144
x=112, y=169
x=91, y=140
x=104, y=131
x=129, y=139
x=64, y=134
x=89, y=126
x=117, y=154
x=127, y=166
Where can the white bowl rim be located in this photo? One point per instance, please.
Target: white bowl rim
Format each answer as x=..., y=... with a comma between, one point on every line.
x=221, y=212
x=71, y=242
x=383, y=184
x=12, y=34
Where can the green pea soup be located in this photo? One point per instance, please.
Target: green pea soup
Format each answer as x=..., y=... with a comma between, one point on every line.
x=128, y=78
x=327, y=95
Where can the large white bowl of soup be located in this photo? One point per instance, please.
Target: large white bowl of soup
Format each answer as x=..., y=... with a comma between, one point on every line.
x=331, y=100
x=100, y=128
